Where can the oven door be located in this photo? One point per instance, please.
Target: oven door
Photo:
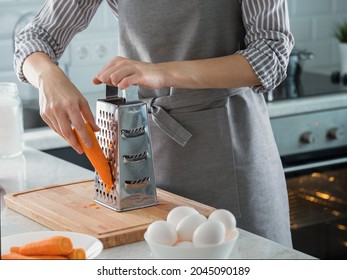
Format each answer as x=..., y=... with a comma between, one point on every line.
x=318, y=203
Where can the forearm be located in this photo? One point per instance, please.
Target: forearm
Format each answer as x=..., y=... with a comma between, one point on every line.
x=222, y=72
x=38, y=65
x=51, y=30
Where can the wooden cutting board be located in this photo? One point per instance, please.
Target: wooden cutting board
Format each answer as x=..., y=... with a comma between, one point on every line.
x=71, y=207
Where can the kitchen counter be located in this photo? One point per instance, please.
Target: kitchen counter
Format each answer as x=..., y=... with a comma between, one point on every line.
x=296, y=106
x=36, y=169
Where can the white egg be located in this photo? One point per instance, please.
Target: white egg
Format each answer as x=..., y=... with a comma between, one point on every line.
x=184, y=244
x=231, y=234
x=161, y=232
x=226, y=217
x=178, y=213
x=212, y=232
x=187, y=226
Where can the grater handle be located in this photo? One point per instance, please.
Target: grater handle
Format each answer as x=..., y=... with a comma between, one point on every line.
x=111, y=92
x=130, y=93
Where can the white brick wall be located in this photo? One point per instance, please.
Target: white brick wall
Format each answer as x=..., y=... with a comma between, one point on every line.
x=312, y=23
x=100, y=35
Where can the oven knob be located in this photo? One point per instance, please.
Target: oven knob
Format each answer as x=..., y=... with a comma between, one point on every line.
x=307, y=137
x=335, y=133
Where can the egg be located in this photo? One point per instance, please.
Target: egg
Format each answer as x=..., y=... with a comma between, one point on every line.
x=210, y=233
x=226, y=217
x=161, y=232
x=187, y=226
x=178, y=213
x=231, y=234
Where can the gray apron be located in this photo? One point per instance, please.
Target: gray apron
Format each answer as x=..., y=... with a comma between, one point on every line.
x=214, y=146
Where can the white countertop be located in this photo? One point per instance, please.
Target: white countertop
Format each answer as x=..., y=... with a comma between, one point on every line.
x=37, y=169
x=43, y=138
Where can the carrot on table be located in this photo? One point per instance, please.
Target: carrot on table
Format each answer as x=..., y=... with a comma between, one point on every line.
x=96, y=157
x=17, y=256
x=14, y=249
x=77, y=254
x=54, y=245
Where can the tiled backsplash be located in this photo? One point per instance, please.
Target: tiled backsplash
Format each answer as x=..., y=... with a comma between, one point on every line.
x=312, y=24
x=86, y=54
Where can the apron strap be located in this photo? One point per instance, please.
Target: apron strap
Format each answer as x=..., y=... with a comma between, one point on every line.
x=158, y=107
x=169, y=125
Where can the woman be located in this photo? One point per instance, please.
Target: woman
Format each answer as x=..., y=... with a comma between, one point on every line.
x=202, y=67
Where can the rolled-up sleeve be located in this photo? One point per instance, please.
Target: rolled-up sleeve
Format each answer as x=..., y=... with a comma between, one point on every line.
x=268, y=40
x=52, y=29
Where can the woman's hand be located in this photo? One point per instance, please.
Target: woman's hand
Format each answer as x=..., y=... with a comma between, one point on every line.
x=62, y=106
x=220, y=72
x=123, y=72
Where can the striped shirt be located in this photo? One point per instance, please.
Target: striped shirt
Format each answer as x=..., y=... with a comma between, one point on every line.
x=267, y=39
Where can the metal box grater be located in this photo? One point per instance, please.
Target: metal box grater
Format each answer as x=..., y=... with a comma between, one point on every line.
x=125, y=140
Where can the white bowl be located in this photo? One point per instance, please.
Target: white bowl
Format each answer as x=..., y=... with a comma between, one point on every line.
x=221, y=251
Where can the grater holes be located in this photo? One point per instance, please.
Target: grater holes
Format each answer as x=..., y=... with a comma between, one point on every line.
x=135, y=157
x=137, y=184
x=137, y=181
x=134, y=132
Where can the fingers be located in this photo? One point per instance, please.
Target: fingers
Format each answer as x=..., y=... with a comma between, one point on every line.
x=96, y=81
x=113, y=76
x=128, y=81
x=88, y=115
x=63, y=115
x=67, y=132
x=78, y=117
x=59, y=120
x=117, y=70
x=101, y=77
x=122, y=72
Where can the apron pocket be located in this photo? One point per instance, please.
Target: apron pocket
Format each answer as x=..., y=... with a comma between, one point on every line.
x=204, y=169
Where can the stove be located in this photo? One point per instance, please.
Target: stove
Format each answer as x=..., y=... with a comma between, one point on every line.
x=310, y=93
x=309, y=120
x=308, y=85
x=309, y=117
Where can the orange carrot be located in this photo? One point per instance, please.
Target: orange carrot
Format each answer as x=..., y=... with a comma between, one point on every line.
x=77, y=254
x=97, y=157
x=55, y=245
x=17, y=256
x=14, y=249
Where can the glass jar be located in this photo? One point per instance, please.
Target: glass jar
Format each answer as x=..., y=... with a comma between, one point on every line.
x=11, y=121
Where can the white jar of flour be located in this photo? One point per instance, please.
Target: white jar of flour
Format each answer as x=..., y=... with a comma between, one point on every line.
x=11, y=121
